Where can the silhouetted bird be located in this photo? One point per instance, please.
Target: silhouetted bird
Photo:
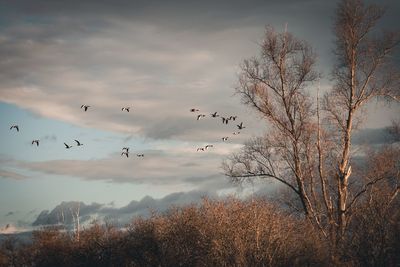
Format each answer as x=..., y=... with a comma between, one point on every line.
x=233, y=118
x=140, y=155
x=208, y=146
x=200, y=116
x=225, y=138
x=214, y=115
x=67, y=146
x=126, y=108
x=126, y=149
x=236, y=133
x=200, y=149
x=78, y=143
x=125, y=153
x=85, y=107
x=240, y=126
x=224, y=120
x=15, y=126
x=35, y=141
x=194, y=110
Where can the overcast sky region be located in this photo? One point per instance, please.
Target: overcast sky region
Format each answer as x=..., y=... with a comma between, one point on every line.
x=160, y=58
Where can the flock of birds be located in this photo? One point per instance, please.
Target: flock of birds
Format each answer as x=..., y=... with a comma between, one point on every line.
x=225, y=120
x=125, y=150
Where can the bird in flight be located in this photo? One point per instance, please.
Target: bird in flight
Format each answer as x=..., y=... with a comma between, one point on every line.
x=214, y=115
x=194, y=110
x=78, y=143
x=240, y=126
x=233, y=118
x=225, y=138
x=126, y=108
x=125, y=153
x=85, y=107
x=236, y=133
x=126, y=149
x=67, y=146
x=14, y=126
x=200, y=116
x=200, y=149
x=225, y=120
x=140, y=155
x=35, y=142
x=208, y=146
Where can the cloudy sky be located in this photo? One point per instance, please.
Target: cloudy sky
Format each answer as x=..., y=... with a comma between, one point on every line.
x=161, y=58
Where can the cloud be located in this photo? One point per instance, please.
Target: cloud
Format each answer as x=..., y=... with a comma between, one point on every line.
x=134, y=53
x=11, y=175
x=160, y=58
x=10, y=213
x=377, y=136
x=170, y=165
x=62, y=213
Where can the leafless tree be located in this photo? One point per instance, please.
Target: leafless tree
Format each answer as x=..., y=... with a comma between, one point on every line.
x=363, y=71
x=75, y=217
x=311, y=158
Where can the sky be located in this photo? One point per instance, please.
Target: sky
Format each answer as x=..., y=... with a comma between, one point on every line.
x=161, y=58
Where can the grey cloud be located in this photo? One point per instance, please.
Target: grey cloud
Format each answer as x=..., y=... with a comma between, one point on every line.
x=377, y=136
x=157, y=167
x=160, y=56
x=156, y=10
x=61, y=214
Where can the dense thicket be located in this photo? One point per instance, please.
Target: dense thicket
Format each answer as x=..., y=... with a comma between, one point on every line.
x=216, y=233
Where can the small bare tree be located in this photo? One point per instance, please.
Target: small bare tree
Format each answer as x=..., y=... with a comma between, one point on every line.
x=312, y=160
x=75, y=218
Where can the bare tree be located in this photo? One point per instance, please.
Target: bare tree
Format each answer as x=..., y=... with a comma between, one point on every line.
x=275, y=86
x=362, y=73
x=312, y=160
x=75, y=218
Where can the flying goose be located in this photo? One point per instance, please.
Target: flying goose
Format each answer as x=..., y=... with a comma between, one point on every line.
x=225, y=138
x=78, y=143
x=67, y=146
x=208, y=146
x=85, y=107
x=140, y=155
x=214, y=115
x=240, y=126
x=126, y=108
x=194, y=110
x=200, y=116
x=233, y=118
x=224, y=120
x=14, y=126
x=236, y=133
x=200, y=149
x=125, y=153
x=125, y=149
x=35, y=141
